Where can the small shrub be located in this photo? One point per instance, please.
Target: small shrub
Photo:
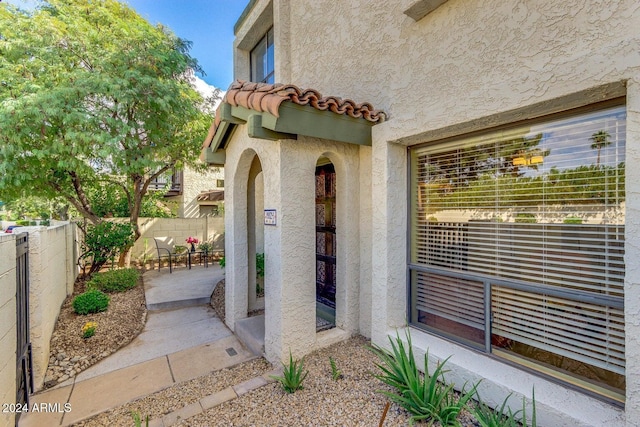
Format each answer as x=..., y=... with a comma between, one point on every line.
x=335, y=372
x=259, y=265
x=205, y=247
x=292, y=376
x=114, y=280
x=104, y=241
x=426, y=396
x=92, y=301
x=89, y=329
x=222, y=262
x=503, y=416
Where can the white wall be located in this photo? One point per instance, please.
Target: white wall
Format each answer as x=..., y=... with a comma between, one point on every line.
x=288, y=176
x=466, y=66
x=52, y=273
x=193, y=183
x=175, y=231
x=8, y=332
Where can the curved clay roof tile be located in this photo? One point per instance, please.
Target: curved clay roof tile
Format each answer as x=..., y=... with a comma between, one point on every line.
x=268, y=97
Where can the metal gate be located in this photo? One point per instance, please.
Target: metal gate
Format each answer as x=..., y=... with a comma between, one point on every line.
x=24, y=375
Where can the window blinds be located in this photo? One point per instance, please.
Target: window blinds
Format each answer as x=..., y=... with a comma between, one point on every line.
x=540, y=204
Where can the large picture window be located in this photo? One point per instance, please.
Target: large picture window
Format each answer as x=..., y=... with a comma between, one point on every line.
x=262, y=60
x=517, y=245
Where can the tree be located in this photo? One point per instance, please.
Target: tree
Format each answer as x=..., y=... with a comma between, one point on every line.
x=94, y=97
x=600, y=140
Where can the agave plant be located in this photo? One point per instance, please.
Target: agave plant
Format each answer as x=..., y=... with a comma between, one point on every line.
x=503, y=416
x=292, y=375
x=426, y=396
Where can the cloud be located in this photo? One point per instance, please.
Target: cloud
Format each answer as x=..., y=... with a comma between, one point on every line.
x=205, y=89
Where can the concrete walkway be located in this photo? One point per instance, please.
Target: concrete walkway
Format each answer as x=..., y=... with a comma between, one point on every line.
x=182, y=339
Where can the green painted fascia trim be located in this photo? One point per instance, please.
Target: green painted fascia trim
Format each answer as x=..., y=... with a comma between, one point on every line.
x=309, y=121
x=241, y=114
x=231, y=114
x=243, y=16
x=256, y=130
x=294, y=120
x=221, y=136
x=216, y=158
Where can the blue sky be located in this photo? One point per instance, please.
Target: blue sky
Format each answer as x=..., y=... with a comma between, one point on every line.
x=206, y=23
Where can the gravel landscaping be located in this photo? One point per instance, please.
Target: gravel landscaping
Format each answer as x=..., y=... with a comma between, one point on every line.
x=70, y=354
x=352, y=400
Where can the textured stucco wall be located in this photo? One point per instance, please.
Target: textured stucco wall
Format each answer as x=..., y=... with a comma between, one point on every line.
x=193, y=183
x=175, y=231
x=632, y=254
x=366, y=241
x=50, y=281
x=288, y=179
x=8, y=332
x=463, y=62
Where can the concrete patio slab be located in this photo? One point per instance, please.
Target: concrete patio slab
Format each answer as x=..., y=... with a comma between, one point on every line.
x=166, y=332
x=182, y=288
x=93, y=396
x=198, y=361
x=56, y=397
x=176, y=344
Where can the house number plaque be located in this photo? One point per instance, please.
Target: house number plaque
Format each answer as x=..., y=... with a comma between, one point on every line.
x=270, y=217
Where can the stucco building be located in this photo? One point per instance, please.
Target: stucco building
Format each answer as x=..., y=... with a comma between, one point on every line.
x=194, y=193
x=477, y=193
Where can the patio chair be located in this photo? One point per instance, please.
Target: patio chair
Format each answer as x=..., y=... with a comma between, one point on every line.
x=165, y=249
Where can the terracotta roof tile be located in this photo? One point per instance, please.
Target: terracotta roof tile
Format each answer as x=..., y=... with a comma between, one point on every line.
x=264, y=97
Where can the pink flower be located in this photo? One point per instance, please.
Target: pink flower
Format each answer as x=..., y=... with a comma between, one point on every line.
x=192, y=239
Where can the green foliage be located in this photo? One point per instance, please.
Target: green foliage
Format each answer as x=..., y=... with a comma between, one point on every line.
x=92, y=301
x=104, y=241
x=205, y=247
x=37, y=207
x=426, y=396
x=259, y=274
x=292, y=376
x=335, y=372
x=114, y=280
x=89, y=329
x=110, y=200
x=137, y=421
x=222, y=262
x=179, y=249
x=94, y=95
x=572, y=220
x=259, y=265
x=582, y=185
x=25, y=222
x=503, y=416
x=527, y=218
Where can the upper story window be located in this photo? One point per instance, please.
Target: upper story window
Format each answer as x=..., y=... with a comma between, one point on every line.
x=262, y=60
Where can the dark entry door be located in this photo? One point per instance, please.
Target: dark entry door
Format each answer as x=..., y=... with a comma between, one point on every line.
x=326, y=235
x=24, y=365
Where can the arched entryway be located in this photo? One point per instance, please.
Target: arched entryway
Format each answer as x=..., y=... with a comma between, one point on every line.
x=255, y=230
x=326, y=243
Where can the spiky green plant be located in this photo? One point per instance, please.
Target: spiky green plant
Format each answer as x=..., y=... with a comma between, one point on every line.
x=336, y=374
x=503, y=416
x=426, y=396
x=292, y=375
x=137, y=421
